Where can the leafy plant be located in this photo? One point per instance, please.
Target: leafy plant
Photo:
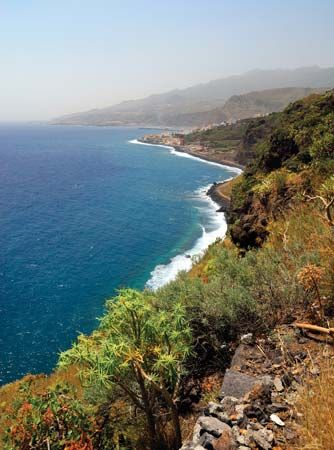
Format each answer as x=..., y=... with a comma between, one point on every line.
x=141, y=350
x=53, y=420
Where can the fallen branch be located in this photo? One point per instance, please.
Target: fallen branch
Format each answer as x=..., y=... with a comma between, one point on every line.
x=308, y=326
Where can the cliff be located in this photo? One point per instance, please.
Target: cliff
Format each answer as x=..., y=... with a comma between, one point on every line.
x=235, y=347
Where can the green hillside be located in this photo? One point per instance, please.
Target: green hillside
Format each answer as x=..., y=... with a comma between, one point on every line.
x=142, y=370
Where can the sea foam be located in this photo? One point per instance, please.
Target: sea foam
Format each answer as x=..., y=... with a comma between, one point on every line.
x=164, y=273
x=175, y=152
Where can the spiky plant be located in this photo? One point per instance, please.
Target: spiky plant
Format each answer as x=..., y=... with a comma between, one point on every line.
x=141, y=350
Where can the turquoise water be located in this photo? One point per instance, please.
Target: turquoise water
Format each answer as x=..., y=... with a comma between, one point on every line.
x=83, y=212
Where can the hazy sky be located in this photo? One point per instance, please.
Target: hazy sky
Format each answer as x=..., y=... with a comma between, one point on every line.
x=62, y=56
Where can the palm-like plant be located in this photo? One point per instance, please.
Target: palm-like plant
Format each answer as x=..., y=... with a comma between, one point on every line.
x=139, y=349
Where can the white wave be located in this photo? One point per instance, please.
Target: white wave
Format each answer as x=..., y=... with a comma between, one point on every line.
x=164, y=273
x=186, y=155
x=216, y=229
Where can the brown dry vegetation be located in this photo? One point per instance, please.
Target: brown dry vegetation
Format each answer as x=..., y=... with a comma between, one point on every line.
x=38, y=384
x=316, y=405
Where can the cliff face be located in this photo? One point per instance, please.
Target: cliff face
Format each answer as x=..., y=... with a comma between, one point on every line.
x=291, y=152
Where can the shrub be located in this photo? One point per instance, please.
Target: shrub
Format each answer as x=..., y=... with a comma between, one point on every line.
x=275, y=183
x=323, y=146
x=281, y=146
x=140, y=350
x=54, y=420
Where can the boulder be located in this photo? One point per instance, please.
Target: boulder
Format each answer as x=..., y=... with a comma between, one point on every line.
x=213, y=426
x=229, y=403
x=197, y=432
x=243, y=439
x=244, y=356
x=237, y=384
x=206, y=441
x=217, y=410
x=225, y=442
x=191, y=446
x=261, y=390
x=213, y=409
x=263, y=438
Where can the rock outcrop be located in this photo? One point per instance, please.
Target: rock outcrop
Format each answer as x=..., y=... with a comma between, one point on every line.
x=255, y=409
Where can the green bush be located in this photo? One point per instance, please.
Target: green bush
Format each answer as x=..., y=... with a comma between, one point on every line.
x=323, y=146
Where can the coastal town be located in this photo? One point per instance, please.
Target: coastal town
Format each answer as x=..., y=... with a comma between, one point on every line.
x=194, y=143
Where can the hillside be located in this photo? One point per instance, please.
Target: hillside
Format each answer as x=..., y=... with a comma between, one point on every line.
x=260, y=303
x=232, y=143
x=201, y=104
x=261, y=103
x=298, y=140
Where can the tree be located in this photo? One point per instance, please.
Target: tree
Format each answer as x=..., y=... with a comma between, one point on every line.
x=139, y=349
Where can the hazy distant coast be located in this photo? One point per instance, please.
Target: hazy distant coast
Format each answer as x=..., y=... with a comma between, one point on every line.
x=231, y=98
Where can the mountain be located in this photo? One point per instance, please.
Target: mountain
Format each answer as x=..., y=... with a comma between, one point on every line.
x=201, y=104
x=260, y=103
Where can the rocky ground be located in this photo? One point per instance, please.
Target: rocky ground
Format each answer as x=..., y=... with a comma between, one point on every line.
x=256, y=408
x=218, y=196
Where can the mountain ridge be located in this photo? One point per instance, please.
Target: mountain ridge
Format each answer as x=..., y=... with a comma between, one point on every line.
x=194, y=106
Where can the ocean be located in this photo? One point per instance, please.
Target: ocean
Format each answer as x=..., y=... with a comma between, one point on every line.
x=83, y=212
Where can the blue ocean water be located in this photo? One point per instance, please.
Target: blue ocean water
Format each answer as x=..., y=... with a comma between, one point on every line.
x=83, y=212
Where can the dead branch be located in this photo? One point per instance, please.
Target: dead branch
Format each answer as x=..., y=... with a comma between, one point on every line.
x=327, y=205
x=316, y=328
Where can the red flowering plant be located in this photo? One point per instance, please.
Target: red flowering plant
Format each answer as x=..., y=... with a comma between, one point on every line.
x=52, y=420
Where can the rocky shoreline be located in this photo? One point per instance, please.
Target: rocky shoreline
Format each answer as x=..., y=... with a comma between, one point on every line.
x=223, y=162
x=214, y=191
x=189, y=149
x=222, y=200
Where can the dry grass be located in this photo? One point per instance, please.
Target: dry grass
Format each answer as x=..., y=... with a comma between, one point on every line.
x=317, y=408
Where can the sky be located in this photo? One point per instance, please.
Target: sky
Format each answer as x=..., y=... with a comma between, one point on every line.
x=63, y=56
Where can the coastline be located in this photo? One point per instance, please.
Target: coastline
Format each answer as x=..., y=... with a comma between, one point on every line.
x=223, y=201
x=214, y=191
x=217, y=205
x=186, y=149
x=222, y=162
